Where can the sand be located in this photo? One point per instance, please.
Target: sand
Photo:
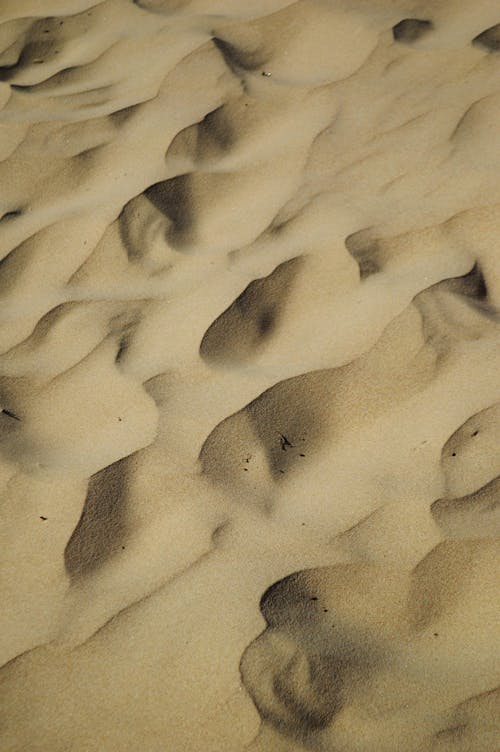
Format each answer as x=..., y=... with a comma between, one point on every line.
x=249, y=375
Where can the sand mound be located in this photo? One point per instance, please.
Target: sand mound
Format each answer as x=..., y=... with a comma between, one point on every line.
x=249, y=345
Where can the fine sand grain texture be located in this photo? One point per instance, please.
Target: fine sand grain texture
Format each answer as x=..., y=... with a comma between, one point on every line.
x=249, y=375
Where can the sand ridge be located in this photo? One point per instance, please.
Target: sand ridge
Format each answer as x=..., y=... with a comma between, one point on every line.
x=249, y=354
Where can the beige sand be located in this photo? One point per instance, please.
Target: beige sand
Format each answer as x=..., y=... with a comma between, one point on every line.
x=249, y=375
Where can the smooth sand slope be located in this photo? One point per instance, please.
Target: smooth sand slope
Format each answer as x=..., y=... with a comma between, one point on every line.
x=249, y=375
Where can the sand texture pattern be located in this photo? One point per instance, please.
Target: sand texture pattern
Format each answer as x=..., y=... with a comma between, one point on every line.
x=249, y=375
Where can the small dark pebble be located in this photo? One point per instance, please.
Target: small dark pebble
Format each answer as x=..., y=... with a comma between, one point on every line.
x=119, y=420
x=475, y=433
x=266, y=74
x=302, y=455
x=43, y=518
x=245, y=469
x=453, y=454
x=313, y=598
x=325, y=610
x=282, y=472
x=123, y=548
x=436, y=634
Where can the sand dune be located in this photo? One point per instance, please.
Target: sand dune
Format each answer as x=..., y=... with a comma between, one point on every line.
x=365, y=658
x=249, y=391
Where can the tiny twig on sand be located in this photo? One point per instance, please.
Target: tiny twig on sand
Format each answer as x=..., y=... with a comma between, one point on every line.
x=11, y=415
x=284, y=442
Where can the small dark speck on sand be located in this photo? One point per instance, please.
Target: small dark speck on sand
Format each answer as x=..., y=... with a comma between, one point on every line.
x=119, y=420
x=266, y=74
x=245, y=469
x=43, y=518
x=436, y=634
x=453, y=454
x=282, y=472
x=123, y=548
x=475, y=433
x=302, y=455
x=313, y=598
x=325, y=610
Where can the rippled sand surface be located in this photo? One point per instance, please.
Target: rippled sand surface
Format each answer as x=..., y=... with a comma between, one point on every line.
x=249, y=375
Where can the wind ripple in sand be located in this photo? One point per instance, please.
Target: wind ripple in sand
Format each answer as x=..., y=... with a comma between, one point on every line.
x=248, y=327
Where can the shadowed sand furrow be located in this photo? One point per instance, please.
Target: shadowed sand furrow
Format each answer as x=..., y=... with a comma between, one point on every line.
x=249, y=298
